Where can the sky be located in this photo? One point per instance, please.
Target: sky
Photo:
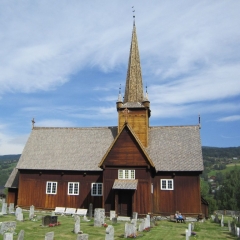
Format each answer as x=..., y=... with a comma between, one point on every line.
x=62, y=62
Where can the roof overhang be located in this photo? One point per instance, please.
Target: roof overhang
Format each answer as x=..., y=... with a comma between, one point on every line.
x=127, y=184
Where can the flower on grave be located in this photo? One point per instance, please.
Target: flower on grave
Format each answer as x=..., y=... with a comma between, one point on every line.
x=146, y=229
x=104, y=225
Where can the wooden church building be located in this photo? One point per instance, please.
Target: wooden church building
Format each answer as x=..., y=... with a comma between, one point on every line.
x=131, y=167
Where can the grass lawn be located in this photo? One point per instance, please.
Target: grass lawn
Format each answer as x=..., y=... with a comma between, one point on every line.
x=163, y=230
x=228, y=168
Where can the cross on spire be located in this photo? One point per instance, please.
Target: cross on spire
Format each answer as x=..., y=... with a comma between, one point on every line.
x=33, y=123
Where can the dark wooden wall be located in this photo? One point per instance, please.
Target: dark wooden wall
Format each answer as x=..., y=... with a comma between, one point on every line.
x=12, y=195
x=32, y=189
x=185, y=197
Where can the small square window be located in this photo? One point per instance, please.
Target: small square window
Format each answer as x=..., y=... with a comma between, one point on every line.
x=126, y=174
x=51, y=188
x=166, y=184
x=97, y=189
x=73, y=188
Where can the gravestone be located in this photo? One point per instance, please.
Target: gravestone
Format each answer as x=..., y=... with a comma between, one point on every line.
x=147, y=222
x=77, y=225
x=189, y=229
x=99, y=217
x=31, y=212
x=8, y=227
x=49, y=236
x=3, y=200
x=85, y=219
x=82, y=236
x=187, y=235
x=112, y=214
x=8, y=236
x=20, y=217
x=222, y=222
x=229, y=226
x=109, y=233
x=54, y=219
x=135, y=215
x=141, y=225
x=114, y=220
x=90, y=210
x=46, y=220
x=134, y=222
x=11, y=208
x=238, y=232
x=21, y=235
x=216, y=219
x=192, y=226
x=130, y=230
x=4, y=208
x=18, y=210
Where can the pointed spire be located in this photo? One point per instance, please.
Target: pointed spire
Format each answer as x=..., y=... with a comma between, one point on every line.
x=134, y=86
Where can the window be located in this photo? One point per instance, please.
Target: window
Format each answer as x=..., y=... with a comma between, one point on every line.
x=73, y=188
x=166, y=184
x=126, y=174
x=97, y=189
x=51, y=188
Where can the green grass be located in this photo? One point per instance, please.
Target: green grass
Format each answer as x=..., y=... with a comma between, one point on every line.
x=163, y=230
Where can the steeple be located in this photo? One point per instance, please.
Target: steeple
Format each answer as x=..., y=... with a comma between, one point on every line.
x=134, y=85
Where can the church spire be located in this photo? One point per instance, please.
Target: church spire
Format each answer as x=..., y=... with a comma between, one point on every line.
x=134, y=86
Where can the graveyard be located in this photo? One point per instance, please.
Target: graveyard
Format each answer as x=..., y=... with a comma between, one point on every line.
x=28, y=224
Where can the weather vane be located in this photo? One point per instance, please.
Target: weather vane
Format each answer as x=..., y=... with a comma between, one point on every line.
x=133, y=10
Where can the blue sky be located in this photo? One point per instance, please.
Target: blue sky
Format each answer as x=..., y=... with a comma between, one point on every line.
x=62, y=62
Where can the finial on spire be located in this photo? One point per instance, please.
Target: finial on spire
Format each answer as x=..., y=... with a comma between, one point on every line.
x=146, y=95
x=119, y=94
x=133, y=10
x=199, y=121
x=33, y=123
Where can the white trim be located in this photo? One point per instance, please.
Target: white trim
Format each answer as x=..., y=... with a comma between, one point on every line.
x=96, y=189
x=75, y=186
x=51, y=187
x=126, y=174
x=167, y=184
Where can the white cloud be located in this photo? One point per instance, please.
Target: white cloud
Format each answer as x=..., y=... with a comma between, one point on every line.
x=54, y=123
x=230, y=118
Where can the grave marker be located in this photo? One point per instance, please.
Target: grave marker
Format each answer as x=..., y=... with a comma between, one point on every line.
x=20, y=217
x=99, y=217
x=8, y=236
x=109, y=233
x=8, y=227
x=82, y=236
x=31, y=212
x=11, y=208
x=90, y=212
x=4, y=208
x=46, y=220
x=21, y=235
x=49, y=236
x=112, y=214
x=77, y=225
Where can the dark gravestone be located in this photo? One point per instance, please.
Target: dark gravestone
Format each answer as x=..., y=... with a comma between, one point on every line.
x=114, y=220
x=54, y=219
x=46, y=220
x=90, y=210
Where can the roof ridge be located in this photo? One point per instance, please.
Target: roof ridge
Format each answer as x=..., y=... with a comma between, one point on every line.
x=84, y=128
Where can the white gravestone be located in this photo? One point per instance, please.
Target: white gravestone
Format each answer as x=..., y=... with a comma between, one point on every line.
x=4, y=208
x=82, y=236
x=141, y=225
x=8, y=227
x=11, y=208
x=189, y=229
x=49, y=236
x=112, y=214
x=109, y=233
x=31, y=212
x=8, y=236
x=222, y=222
x=147, y=222
x=20, y=217
x=130, y=230
x=187, y=236
x=99, y=217
x=18, y=210
x=77, y=225
x=21, y=235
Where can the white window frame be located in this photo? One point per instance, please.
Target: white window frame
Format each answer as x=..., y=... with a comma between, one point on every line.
x=126, y=174
x=167, y=184
x=72, y=186
x=51, y=187
x=97, y=189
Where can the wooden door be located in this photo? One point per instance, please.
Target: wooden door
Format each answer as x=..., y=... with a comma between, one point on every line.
x=125, y=202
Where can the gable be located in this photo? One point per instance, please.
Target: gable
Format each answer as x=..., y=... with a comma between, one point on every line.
x=125, y=151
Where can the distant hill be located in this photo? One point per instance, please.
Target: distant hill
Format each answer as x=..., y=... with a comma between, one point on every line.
x=229, y=152
x=10, y=157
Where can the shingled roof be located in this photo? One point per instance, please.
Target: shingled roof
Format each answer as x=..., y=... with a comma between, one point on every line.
x=175, y=148
x=81, y=149
x=66, y=148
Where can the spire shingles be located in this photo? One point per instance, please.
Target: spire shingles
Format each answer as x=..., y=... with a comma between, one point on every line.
x=134, y=86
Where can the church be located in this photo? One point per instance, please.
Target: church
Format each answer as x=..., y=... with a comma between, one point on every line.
x=131, y=167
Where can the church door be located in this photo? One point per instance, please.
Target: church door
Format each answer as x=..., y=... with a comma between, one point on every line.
x=125, y=202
